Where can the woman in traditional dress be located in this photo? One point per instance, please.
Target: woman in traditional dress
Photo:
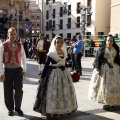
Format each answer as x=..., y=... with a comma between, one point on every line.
x=105, y=80
x=56, y=94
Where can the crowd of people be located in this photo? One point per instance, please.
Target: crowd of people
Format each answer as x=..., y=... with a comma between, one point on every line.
x=55, y=96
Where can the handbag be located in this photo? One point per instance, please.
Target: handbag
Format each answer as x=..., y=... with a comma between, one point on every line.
x=75, y=77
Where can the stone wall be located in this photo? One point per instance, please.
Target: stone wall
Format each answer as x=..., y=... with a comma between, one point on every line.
x=115, y=17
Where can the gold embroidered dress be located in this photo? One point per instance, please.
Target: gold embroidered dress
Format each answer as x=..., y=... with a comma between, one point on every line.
x=106, y=88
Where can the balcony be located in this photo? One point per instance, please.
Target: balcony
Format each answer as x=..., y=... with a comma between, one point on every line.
x=78, y=11
x=53, y=15
x=68, y=25
x=77, y=25
x=69, y=12
x=61, y=14
x=47, y=28
x=61, y=26
x=47, y=16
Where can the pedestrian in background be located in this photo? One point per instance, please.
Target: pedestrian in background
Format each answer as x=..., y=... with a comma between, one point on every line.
x=73, y=67
x=56, y=94
x=12, y=70
x=92, y=45
x=42, y=48
x=78, y=53
x=105, y=80
x=26, y=46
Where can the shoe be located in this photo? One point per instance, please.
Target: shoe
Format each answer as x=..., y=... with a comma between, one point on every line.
x=112, y=107
x=39, y=73
x=19, y=111
x=10, y=113
x=106, y=107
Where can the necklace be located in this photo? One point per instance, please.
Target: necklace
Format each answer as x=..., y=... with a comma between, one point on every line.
x=13, y=45
x=59, y=51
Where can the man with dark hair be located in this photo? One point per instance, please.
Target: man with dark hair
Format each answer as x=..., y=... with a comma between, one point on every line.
x=78, y=52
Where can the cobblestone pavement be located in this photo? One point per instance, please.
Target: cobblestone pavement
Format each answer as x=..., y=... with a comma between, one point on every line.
x=87, y=110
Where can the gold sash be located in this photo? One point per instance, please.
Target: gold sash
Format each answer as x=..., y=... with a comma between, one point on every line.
x=41, y=50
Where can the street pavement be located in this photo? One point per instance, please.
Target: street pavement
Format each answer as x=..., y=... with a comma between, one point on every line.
x=87, y=110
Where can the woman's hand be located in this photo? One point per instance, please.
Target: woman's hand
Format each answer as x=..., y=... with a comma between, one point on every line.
x=99, y=72
x=40, y=80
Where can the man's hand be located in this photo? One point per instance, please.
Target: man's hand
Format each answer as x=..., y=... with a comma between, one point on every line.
x=40, y=80
x=23, y=73
x=2, y=77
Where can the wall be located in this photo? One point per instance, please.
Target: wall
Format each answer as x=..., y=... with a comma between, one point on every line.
x=115, y=17
x=102, y=16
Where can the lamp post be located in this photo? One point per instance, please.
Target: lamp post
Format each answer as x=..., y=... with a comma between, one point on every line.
x=84, y=12
x=83, y=22
x=18, y=20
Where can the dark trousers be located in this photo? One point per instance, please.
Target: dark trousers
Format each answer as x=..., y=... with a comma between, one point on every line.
x=13, y=85
x=41, y=57
x=77, y=57
x=73, y=62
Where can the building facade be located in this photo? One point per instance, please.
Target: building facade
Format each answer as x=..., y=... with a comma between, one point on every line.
x=41, y=6
x=36, y=18
x=14, y=13
x=89, y=17
x=115, y=21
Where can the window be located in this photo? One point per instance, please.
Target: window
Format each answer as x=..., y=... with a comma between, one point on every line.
x=61, y=24
x=33, y=31
x=61, y=34
x=100, y=34
x=32, y=17
x=47, y=26
x=33, y=24
x=61, y=11
x=53, y=35
x=53, y=1
x=50, y=24
x=78, y=7
x=69, y=9
x=88, y=20
x=53, y=23
x=47, y=1
x=116, y=36
x=88, y=34
x=47, y=36
x=69, y=23
x=69, y=35
x=47, y=14
x=78, y=22
x=89, y=3
x=53, y=13
x=38, y=17
x=77, y=34
x=38, y=25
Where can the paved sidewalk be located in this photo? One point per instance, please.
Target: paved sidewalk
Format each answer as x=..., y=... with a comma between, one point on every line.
x=87, y=110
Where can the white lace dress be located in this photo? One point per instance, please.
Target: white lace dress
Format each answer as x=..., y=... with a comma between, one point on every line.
x=106, y=88
x=57, y=93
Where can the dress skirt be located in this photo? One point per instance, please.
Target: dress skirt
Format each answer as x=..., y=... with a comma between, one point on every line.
x=57, y=94
x=106, y=88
